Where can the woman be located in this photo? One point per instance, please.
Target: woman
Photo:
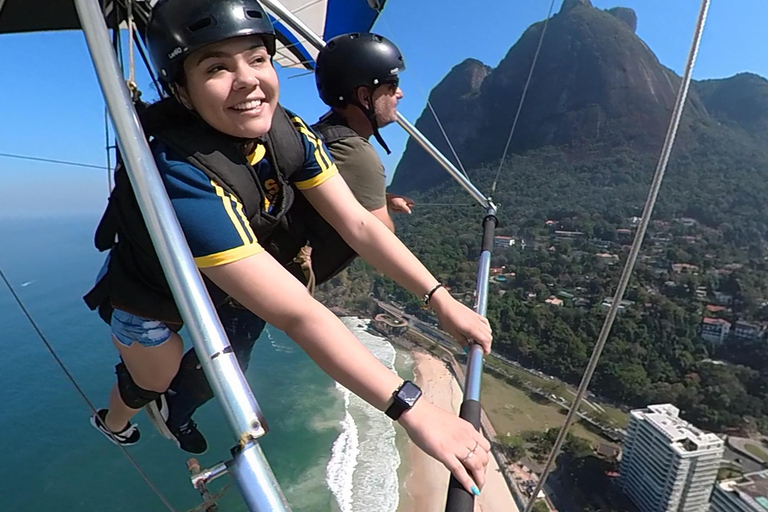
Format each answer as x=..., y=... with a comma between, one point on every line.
x=214, y=147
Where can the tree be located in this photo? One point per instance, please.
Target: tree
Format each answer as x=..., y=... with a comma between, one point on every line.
x=513, y=446
x=577, y=447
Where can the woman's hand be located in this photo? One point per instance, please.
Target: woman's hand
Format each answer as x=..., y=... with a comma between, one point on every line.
x=459, y=321
x=451, y=440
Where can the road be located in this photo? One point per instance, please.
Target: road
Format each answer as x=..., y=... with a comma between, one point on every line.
x=448, y=343
x=423, y=327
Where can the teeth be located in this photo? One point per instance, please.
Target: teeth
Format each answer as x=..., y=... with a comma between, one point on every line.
x=248, y=105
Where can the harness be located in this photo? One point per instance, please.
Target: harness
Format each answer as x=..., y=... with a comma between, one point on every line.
x=330, y=253
x=134, y=280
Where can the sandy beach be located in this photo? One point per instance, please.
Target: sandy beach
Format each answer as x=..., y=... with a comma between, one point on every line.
x=425, y=488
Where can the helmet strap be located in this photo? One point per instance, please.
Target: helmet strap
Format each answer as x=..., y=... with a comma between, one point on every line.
x=370, y=113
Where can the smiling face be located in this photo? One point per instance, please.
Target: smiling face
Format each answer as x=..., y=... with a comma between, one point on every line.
x=232, y=86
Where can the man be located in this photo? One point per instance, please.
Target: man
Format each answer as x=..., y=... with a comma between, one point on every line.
x=357, y=76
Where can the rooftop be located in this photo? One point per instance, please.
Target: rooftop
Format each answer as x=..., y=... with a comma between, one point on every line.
x=715, y=321
x=741, y=324
x=752, y=488
x=683, y=436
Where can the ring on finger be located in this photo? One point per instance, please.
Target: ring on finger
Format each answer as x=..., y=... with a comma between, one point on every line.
x=468, y=456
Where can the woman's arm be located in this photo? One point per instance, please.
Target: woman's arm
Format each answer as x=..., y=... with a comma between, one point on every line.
x=382, y=249
x=263, y=286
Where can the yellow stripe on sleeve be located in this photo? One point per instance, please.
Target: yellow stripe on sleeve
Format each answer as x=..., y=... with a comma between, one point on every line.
x=227, y=201
x=247, y=224
x=322, y=154
x=318, y=180
x=323, y=160
x=228, y=256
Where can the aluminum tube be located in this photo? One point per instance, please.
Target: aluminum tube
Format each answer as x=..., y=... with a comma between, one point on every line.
x=209, y=475
x=475, y=362
x=191, y=296
x=250, y=467
x=442, y=160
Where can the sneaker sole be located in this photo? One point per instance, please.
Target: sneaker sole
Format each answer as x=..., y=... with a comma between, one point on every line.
x=157, y=420
x=178, y=445
x=109, y=437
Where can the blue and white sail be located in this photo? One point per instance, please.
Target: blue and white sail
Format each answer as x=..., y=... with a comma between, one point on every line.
x=327, y=18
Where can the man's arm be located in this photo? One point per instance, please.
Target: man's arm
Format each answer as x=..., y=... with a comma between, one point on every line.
x=363, y=172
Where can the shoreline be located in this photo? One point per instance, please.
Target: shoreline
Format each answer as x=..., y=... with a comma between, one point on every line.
x=423, y=481
x=426, y=484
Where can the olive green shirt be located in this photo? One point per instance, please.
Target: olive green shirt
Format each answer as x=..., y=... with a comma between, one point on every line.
x=361, y=168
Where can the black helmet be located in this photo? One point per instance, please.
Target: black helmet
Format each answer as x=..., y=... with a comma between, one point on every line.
x=178, y=27
x=349, y=61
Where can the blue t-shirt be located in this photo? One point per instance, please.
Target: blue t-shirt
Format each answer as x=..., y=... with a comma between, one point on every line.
x=215, y=222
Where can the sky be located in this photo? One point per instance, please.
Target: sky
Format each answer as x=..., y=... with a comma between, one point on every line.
x=51, y=105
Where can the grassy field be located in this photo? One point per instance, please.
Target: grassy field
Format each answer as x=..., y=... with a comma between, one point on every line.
x=757, y=451
x=554, y=386
x=619, y=417
x=512, y=410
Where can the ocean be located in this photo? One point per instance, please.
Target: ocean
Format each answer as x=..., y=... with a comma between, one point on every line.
x=329, y=450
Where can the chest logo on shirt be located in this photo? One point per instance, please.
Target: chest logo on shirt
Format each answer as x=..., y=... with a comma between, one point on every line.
x=272, y=189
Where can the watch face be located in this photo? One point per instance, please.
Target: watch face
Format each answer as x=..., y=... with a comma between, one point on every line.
x=409, y=393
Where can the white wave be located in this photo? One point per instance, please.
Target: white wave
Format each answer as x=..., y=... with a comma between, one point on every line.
x=341, y=467
x=24, y=285
x=276, y=343
x=362, y=473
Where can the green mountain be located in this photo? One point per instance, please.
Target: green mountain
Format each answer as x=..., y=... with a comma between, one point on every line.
x=597, y=87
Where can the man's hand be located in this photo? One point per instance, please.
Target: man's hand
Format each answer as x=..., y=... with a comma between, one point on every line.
x=399, y=204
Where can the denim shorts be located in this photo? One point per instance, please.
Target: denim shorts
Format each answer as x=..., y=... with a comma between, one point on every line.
x=128, y=328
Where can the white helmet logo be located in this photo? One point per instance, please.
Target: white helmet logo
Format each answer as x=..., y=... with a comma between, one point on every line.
x=175, y=53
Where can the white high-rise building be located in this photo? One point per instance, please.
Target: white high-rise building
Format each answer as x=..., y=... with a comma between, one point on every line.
x=668, y=465
x=748, y=493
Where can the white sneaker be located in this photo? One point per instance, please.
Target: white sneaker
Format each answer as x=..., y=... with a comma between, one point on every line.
x=130, y=435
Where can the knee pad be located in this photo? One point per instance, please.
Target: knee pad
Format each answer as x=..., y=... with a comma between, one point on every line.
x=134, y=396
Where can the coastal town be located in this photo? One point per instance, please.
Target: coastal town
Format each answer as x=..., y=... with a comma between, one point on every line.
x=740, y=463
x=679, y=259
